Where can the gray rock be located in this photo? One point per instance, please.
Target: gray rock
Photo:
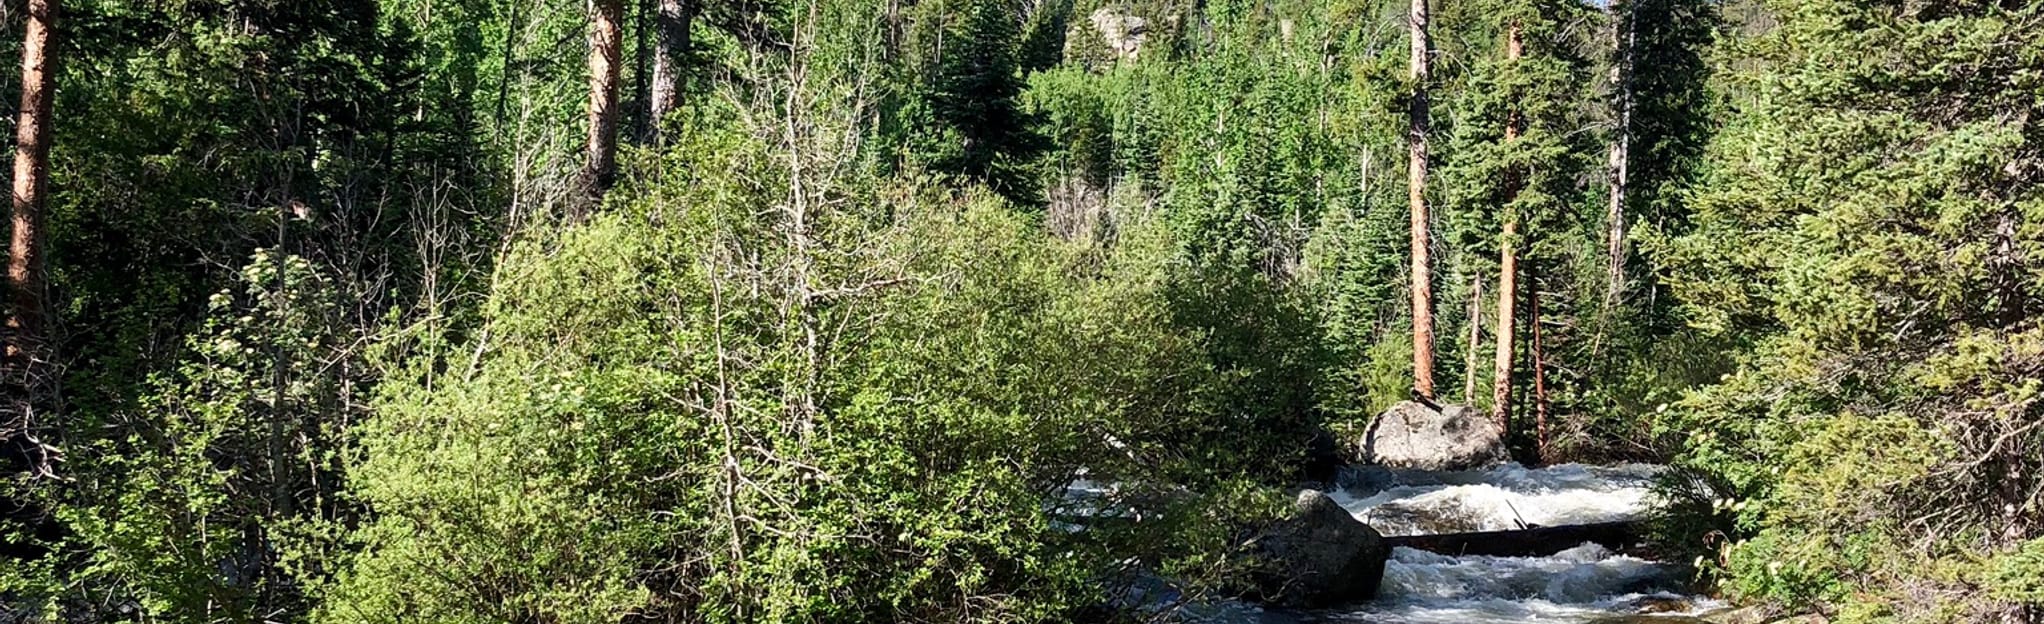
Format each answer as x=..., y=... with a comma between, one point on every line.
x=1318, y=556
x=1123, y=33
x=1417, y=437
x=1739, y=615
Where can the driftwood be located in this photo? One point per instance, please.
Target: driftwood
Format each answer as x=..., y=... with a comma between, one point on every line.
x=1534, y=542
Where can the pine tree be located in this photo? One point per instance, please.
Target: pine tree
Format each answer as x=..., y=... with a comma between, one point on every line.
x=1514, y=164
x=1422, y=269
x=606, y=53
x=1508, y=252
x=971, y=95
x=28, y=345
x=671, y=23
x=1624, y=29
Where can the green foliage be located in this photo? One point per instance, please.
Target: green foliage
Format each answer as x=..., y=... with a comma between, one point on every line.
x=861, y=413
x=2019, y=576
x=184, y=516
x=961, y=114
x=907, y=271
x=1858, y=226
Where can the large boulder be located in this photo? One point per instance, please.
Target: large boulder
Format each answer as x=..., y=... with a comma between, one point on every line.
x=1318, y=556
x=1413, y=436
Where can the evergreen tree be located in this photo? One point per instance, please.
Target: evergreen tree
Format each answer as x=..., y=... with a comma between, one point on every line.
x=1867, y=225
x=606, y=55
x=1422, y=223
x=27, y=377
x=1516, y=163
x=968, y=95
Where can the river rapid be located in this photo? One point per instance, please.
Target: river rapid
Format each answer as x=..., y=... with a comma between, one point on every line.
x=1588, y=583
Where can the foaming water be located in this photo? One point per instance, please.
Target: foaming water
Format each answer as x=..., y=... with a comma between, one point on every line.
x=1499, y=499
x=1582, y=584
x=1588, y=583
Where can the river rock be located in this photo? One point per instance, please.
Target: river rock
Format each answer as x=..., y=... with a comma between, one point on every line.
x=1418, y=437
x=1162, y=601
x=1318, y=556
x=1740, y=615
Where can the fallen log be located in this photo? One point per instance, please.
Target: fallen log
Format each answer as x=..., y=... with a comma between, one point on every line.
x=1534, y=542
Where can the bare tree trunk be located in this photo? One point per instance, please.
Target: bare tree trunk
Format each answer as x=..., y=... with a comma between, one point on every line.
x=28, y=347
x=1475, y=339
x=1539, y=365
x=642, y=71
x=605, y=54
x=671, y=28
x=1622, y=39
x=514, y=21
x=1422, y=278
x=1508, y=266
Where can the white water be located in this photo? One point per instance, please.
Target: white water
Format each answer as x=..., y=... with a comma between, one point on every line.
x=1584, y=584
x=1499, y=499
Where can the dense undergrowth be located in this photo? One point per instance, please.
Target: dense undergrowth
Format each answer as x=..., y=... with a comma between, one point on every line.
x=343, y=341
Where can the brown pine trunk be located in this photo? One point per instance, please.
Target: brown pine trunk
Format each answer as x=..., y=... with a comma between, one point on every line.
x=1475, y=339
x=1422, y=278
x=29, y=321
x=1621, y=147
x=671, y=31
x=1508, y=267
x=28, y=343
x=605, y=55
x=1539, y=366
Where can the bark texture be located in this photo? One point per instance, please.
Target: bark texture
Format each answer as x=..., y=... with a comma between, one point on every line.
x=1422, y=278
x=671, y=23
x=1475, y=340
x=1622, y=28
x=606, y=43
x=1508, y=267
x=27, y=357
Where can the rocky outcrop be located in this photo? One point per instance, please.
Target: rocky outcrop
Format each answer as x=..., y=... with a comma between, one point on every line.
x=1418, y=437
x=1318, y=556
x=1123, y=33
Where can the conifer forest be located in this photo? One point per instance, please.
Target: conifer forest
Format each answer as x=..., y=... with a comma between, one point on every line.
x=1023, y=312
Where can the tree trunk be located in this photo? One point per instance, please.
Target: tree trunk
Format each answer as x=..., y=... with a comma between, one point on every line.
x=515, y=22
x=642, y=72
x=671, y=28
x=1508, y=265
x=1539, y=356
x=1525, y=542
x=1422, y=278
x=605, y=53
x=28, y=346
x=1475, y=339
x=1622, y=39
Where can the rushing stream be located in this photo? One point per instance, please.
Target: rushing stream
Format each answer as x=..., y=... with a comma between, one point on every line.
x=1587, y=584
x=1584, y=584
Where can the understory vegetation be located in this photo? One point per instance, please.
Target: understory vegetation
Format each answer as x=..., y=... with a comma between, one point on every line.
x=347, y=325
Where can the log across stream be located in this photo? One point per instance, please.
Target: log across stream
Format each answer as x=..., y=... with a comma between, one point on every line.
x=1617, y=536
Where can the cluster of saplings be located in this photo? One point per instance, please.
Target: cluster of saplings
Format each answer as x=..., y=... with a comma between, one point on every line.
x=565, y=311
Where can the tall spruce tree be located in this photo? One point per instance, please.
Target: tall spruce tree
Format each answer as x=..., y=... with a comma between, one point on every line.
x=1422, y=263
x=968, y=94
x=1868, y=222
x=1515, y=161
